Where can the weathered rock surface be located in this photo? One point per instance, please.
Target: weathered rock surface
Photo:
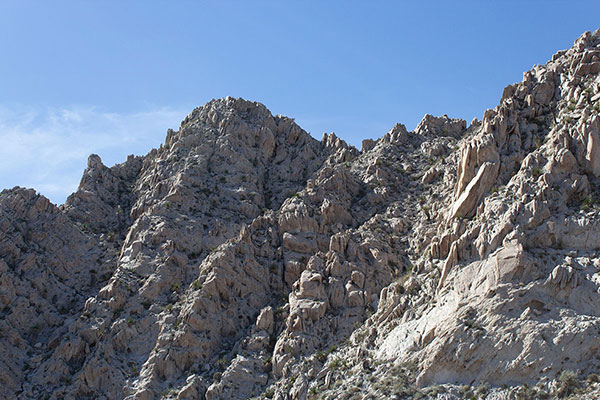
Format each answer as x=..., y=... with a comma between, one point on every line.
x=243, y=258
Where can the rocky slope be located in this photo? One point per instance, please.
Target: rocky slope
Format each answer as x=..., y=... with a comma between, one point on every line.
x=243, y=258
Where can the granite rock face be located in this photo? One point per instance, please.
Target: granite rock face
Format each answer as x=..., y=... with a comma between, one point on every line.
x=243, y=258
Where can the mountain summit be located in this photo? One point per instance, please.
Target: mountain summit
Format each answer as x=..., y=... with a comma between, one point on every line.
x=243, y=258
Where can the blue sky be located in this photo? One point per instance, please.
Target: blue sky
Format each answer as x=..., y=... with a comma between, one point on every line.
x=110, y=77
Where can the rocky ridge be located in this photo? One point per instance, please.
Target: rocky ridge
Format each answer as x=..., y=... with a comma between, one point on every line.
x=243, y=258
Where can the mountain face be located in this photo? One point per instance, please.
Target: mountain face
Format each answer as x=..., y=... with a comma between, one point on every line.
x=243, y=258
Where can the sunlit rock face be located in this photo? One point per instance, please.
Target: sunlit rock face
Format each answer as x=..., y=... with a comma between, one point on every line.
x=244, y=258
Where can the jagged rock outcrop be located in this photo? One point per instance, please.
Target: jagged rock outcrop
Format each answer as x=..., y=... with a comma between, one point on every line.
x=243, y=258
x=49, y=267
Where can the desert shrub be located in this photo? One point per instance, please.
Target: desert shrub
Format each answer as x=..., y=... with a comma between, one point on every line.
x=567, y=383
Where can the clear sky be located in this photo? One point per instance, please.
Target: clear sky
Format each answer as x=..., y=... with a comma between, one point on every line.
x=110, y=77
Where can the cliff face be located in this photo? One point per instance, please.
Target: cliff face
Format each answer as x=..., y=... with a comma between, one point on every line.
x=244, y=258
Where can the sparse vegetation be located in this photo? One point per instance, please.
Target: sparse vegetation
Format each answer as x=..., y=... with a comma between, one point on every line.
x=338, y=363
x=568, y=383
x=267, y=362
x=588, y=203
x=221, y=363
x=269, y=392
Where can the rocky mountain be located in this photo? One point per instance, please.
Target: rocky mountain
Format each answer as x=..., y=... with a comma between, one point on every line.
x=243, y=258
